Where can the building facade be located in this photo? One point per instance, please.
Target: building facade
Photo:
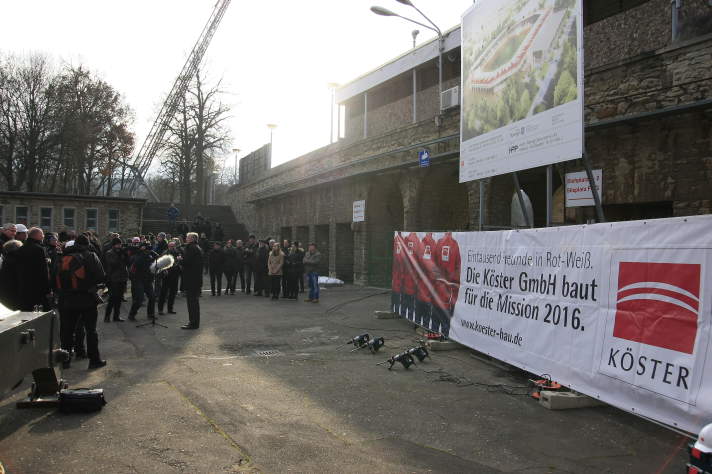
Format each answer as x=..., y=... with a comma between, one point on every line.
x=648, y=126
x=58, y=212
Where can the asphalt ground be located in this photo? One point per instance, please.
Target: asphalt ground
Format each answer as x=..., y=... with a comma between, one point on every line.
x=262, y=387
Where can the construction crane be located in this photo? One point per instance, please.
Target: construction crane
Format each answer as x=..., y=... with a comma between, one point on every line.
x=153, y=140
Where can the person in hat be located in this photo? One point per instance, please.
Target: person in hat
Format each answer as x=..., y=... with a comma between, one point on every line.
x=78, y=297
x=21, y=233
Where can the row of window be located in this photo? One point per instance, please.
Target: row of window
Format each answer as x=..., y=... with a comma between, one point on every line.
x=69, y=220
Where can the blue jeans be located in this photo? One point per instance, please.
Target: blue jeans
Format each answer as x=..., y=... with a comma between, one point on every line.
x=313, y=278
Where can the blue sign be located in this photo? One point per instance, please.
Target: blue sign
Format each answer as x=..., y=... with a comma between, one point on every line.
x=424, y=158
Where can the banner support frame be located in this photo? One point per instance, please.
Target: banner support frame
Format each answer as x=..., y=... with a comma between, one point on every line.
x=549, y=186
x=482, y=206
x=594, y=188
x=527, y=219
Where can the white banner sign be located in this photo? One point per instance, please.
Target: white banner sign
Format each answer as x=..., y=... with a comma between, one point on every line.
x=618, y=311
x=359, y=211
x=522, y=86
x=578, y=189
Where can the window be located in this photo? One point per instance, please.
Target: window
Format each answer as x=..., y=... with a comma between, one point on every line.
x=22, y=215
x=113, y=220
x=46, y=218
x=92, y=219
x=68, y=218
x=601, y=9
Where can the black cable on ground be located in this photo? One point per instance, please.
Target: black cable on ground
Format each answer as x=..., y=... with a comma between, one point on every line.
x=444, y=376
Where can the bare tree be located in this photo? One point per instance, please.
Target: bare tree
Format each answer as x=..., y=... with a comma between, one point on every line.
x=196, y=135
x=66, y=132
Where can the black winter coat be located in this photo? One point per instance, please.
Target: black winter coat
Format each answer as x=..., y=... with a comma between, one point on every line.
x=33, y=275
x=192, y=267
x=116, y=266
x=216, y=259
x=9, y=284
x=262, y=257
x=232, y=259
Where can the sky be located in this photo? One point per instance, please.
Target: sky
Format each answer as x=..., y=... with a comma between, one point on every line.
x=274, y=58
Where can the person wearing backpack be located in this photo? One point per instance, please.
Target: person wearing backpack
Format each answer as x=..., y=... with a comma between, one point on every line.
x=77, y=276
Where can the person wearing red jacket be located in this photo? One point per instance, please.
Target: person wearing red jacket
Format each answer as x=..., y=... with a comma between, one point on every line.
x=397, y=273
x=426, y=282
x=447, y=286
x=410, y=276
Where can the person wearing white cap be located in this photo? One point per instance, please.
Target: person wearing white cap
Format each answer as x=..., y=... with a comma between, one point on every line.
x=21, y=233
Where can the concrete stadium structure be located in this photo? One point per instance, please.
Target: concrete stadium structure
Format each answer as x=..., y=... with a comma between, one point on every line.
x=648, y=113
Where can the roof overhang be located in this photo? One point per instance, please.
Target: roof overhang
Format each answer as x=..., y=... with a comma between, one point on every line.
x=403, y=63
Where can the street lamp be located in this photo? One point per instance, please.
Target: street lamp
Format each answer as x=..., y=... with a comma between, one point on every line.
x=271, y=127
x=236, y=151
x=332, y=86
x=414, y=34
x=441, y=42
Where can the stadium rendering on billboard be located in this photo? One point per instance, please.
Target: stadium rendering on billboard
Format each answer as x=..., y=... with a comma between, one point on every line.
x=522, y=86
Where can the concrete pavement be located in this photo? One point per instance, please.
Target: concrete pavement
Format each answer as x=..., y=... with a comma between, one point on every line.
x=261, y=388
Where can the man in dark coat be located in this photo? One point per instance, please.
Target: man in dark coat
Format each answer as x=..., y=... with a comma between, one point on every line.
x=240, y=267
x=261, y=277
x=9, y=290
x=142, y=281
x=216, y=260
x=169, y=280
x=250, y=254
x=218, y=233
x=230, y=267
x=79, y=273
x=192, y=279
x=117, y=275
x=33, y=275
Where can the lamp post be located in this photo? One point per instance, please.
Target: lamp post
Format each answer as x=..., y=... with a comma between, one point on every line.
x=441, y=42
x=237, y=152
x=414, y=34
x=271, y=127
x=332, y=86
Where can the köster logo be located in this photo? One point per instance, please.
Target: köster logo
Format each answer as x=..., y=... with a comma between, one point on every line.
x=658, y=304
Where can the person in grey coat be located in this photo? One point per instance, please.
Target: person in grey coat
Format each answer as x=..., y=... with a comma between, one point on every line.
x=312, y=259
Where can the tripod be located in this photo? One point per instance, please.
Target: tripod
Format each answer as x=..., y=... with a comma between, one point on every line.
x=152, y=302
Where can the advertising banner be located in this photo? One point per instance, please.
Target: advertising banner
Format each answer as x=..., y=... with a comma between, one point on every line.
x=522, y=86
x=618, y=311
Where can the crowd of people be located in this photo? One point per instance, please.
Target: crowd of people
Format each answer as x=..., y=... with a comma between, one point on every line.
x=76, y=273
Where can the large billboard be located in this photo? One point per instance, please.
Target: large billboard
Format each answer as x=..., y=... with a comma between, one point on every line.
x=522, y=86
x=619, y=311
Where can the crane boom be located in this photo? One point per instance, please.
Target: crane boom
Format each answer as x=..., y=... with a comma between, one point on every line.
x=153, y=140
